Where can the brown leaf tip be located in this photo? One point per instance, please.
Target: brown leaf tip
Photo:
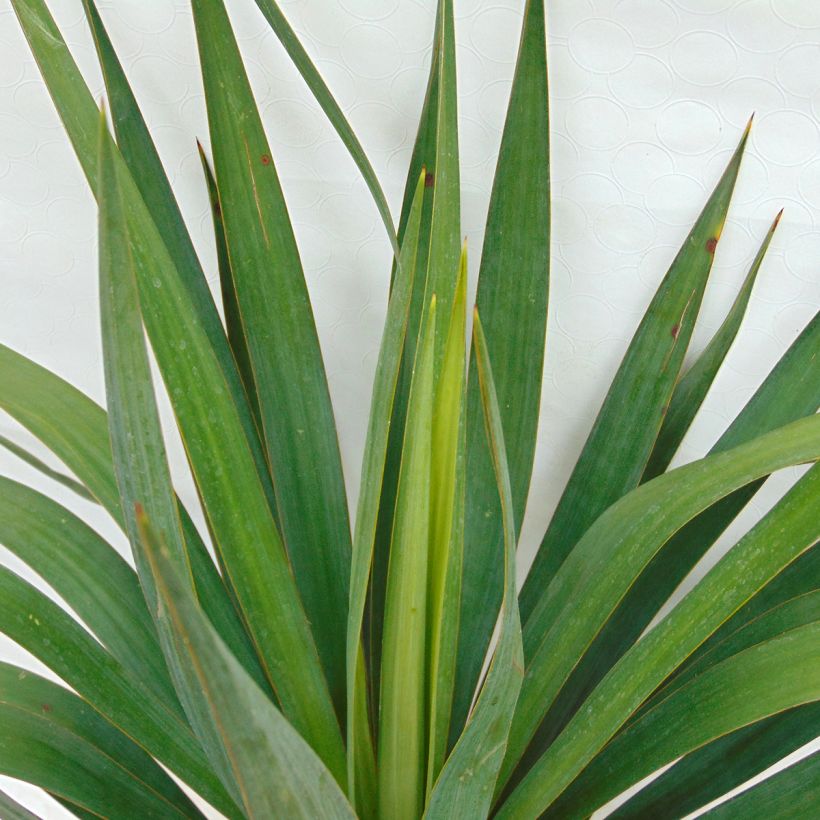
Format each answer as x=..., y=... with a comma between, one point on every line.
x=777, y=219
x=429, y=179
x=711, y=244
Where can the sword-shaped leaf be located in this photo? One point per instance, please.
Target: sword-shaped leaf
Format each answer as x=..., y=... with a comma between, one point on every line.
x=52, y=721
x=466, y=783
x=274, y=772
x=615, y=550
x=297, y=417
x=513, y=286
x=615, y=454
x=402, y=740
x=691, y=390
x=761, y=681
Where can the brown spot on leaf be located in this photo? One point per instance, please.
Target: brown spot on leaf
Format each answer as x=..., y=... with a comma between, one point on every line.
x=46, y=707
x=711, y=244
x=265, y=159
x=675, y=331
x=429, y=179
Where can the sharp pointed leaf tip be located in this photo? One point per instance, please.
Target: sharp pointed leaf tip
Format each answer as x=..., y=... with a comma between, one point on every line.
x=777, y=220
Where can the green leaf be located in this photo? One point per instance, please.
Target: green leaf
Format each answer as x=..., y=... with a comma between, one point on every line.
x=35, y=397
x=791, y=794
x=615, y=453
x=297, y=416
x=91, y=578
x=722, y=765
x=791, y=391
x=30, y=619
x=375, y=451
x=691, y=390
x=275, y=772
x=402, y=741
x=513, y=286
x=435, y=155
x=296, y=52
x=761, y=681
x=447, y=482
x=233, y=319
x=465, y=786
x=615, y=550
x=55, y=475
x=80, y=116
x=12, y=810
x=56, y=741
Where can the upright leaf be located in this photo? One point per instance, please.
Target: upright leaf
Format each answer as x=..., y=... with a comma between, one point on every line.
x=375, y=451
x=615, y=454
x=294, y=402
x=435, y=154
x=402, y=737
x=691, y=390
x=274, y=771
x=513, y=286
x=447, y=482
x=465, y=786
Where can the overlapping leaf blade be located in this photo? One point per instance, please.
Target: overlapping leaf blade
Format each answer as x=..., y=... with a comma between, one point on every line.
x=615, y=453
x=791, y=527
x=512, y=296
x=273, y=770
x=294, y=402
x=465, y=786
x=375, y=452
x=615, y=550
x=766, y=679
x=692, y=388
x=402, y=740
x=109, y=773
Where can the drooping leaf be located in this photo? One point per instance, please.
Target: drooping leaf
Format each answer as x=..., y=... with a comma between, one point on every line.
x=402, y=740
x=273, y=770
x=791, y=794
x=513, y=287
x=691, y=390
x=35, y=397
x=615, y=454
x=791, y=391
x=301, y=59
x=91, y=578
x=791, y=527
x=375, y=450
x=761, y=681
x=722, y=765
x=55, y=475
x=615, y=550
x=38, y=625
x=465, y=786
x=297, y=416
x=108, y=773
x=447, y=482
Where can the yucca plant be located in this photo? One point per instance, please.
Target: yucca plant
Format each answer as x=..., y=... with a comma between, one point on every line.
x=298, y=669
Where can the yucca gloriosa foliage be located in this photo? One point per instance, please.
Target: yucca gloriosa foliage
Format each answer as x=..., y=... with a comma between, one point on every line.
x=313, y=672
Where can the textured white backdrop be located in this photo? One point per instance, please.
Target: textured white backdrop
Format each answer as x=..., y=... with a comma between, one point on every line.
x=649, y=97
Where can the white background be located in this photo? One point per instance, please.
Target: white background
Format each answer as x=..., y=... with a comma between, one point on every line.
x=649, y=98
